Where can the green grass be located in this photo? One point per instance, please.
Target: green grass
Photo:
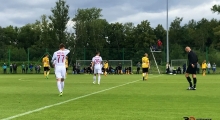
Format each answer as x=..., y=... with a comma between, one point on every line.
x=160, y=98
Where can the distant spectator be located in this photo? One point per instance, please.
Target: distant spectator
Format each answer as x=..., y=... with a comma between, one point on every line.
x=125, y=71
x=23, y=68
x=214, y=67
x=138, y=68
x=174, y=70
x=14, y=68
x=27, y=68
x=74, y=68
x=31, y=67
x=11, y=68
x=167, y=68
x=111, y=70
x=153, y=47
x=179, y=70
x=209, y=67
x=116, y=70
x=120, y=68
x=36, y=68
x=85, y=70
x=78, y=68
x=159, y=44
x=4, y=68
x=198, y=68
x=129, y=70
x=184, y=68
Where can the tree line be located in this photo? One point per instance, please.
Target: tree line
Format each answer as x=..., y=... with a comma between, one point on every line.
x=91, y=33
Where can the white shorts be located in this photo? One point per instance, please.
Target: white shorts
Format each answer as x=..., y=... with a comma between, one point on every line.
x=97, y=70
x=60, y=72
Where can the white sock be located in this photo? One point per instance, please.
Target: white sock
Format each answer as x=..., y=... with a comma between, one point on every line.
x=59, y=86
x=62, y=85
x=99, y=78
x=94, y=78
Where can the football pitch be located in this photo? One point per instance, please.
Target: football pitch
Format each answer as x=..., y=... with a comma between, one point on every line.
x=119, y=97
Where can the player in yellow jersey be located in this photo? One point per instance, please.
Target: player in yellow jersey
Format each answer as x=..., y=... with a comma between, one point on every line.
x=66, y=64
x=204, y=66
x=145, y=66
x=46, y=65
x=105, y=67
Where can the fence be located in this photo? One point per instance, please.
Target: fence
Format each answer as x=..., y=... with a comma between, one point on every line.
x=34, y=56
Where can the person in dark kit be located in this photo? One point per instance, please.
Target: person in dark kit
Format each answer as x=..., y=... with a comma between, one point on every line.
x=74, y=68
x=85, y=70
x=27, y=68
x=129, y=70
x=191, y=69
x=120, y=69
x=15, y=68
x=111, y=70
x=116, y=70
x=178, y=70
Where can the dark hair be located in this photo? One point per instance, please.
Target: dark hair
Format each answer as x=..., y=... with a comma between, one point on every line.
x=62, y=45
x=97, y=52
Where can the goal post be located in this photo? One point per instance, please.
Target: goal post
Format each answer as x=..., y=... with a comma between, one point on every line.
x=112, y=63
x=178, y=63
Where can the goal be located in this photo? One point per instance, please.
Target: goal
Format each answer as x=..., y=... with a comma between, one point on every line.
x=112, y=63
x=178, y=63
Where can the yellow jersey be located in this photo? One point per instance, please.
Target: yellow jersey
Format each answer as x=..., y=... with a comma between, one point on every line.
x=66, y=63
x=145, y=62
x=46, y=62
x=204, y=65
x=106, y=65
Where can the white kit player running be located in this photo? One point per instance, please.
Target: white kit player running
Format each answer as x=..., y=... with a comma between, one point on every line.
x=60, y=69
x=96, y=66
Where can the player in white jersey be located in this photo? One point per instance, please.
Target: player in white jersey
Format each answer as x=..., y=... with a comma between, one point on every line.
x=97, y=67
x=60, y=69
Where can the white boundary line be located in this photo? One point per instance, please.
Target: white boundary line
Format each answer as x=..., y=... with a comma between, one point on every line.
x=21, y=79
x=49, y=106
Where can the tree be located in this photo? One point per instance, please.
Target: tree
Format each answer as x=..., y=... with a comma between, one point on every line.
x=89, y=31
x=59, y=20
x=144, y=38
x=216, y=8
x=46, y=33
x=116, y=38
x=129, y=41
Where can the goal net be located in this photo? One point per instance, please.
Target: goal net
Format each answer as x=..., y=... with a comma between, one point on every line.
x=178, y=63
x=113, y=63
